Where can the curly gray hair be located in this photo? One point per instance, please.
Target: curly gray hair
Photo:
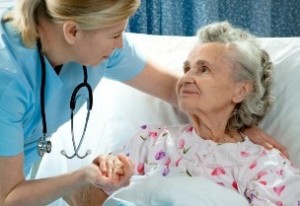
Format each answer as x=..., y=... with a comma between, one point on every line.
x=251, y=63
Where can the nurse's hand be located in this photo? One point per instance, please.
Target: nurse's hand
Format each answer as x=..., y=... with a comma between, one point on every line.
x=257, y=136
x=110, y=172
x=105, y=174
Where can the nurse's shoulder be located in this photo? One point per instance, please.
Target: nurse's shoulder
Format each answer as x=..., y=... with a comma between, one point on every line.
x=15, y=57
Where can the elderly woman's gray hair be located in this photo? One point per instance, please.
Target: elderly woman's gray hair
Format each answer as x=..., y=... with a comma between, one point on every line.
x=251, y=63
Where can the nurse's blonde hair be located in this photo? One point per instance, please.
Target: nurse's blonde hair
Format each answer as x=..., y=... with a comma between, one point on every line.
x=89, y=14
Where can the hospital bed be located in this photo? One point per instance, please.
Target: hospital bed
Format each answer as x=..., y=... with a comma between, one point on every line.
x=119, y=110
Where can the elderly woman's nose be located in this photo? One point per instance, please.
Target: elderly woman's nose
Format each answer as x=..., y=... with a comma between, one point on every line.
x=187, y=79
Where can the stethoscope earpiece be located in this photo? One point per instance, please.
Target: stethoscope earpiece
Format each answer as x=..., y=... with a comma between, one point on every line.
x=63, y=152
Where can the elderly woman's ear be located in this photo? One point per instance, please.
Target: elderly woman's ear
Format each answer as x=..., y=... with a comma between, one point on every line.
x=241, y=91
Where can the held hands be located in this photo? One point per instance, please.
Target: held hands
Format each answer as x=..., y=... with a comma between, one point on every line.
x=257, y=136
x=110, y=172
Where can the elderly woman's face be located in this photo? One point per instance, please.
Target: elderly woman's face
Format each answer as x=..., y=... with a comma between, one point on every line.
x=207, y=85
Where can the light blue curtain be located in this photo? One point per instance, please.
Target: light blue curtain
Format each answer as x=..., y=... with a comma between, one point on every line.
x=265, y=18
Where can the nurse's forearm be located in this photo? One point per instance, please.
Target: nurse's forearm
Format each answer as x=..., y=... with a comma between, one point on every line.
x=45, y=191
x=157, y=81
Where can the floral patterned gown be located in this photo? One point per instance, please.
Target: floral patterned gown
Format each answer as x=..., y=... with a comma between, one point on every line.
x=264, y=177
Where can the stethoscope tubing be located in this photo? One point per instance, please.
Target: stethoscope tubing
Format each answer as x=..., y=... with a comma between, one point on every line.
x=45, y=146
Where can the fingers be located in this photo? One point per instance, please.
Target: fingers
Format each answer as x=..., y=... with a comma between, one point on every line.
x=128, y=165
x=115, y=166
x=257, y=136
x=271, y=143
x=109, y=165
x=115, y=171
x=127, y=170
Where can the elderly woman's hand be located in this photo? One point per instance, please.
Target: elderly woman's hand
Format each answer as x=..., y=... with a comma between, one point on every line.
x=257, y=136
x=112, y=172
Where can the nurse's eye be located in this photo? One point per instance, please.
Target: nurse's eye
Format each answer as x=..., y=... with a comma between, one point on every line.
x=117, y=36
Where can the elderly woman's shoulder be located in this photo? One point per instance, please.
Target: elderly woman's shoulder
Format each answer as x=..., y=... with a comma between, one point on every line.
x=256, y=154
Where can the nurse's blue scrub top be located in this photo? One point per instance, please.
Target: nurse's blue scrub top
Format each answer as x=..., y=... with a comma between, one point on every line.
x=20, y=83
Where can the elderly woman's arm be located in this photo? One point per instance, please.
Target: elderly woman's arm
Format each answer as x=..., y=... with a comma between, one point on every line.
x=157, y=81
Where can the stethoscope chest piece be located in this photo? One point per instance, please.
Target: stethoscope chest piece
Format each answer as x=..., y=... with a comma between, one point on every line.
x=44, y=146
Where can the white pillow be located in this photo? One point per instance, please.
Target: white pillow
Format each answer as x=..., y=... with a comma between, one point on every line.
x=283, y=121
x=156, y=190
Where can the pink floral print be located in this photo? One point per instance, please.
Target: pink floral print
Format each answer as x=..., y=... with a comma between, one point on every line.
x=260, y=175
x=181, y=144
x=218, y=171
x=140, y=168
x=278, y=190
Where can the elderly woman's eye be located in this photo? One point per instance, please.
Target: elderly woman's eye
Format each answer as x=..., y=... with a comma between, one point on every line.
x=204, y=69
x=186, y=69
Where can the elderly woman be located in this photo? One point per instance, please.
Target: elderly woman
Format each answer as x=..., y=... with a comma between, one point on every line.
x=225, y=88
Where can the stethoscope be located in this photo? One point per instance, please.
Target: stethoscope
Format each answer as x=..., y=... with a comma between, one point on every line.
x=44, y=145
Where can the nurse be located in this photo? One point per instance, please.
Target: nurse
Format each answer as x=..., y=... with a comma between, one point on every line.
x=47, y=49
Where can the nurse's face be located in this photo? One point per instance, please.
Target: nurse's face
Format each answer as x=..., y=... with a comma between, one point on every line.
x=97, y=45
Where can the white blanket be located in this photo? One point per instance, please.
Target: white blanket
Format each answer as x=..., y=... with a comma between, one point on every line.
x=178, y=190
